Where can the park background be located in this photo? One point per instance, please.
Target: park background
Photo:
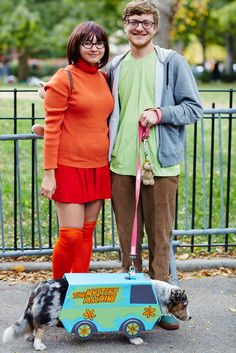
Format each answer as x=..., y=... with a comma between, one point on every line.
x=33, y=34
x=33, y=39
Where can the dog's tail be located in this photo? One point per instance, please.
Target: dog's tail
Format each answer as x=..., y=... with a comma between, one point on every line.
x=21, y=327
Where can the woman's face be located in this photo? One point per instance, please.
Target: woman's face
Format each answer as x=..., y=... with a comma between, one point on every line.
x=92, y=51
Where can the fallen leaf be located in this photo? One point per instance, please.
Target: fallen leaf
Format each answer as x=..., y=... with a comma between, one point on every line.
x=33, y=277
x=18, y=268
x=184, y=257
x=233, y=310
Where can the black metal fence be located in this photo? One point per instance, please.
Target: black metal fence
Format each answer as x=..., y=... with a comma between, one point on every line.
x=206, y=202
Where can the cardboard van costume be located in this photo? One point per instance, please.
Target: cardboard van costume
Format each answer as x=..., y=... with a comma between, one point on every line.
x=117, y=302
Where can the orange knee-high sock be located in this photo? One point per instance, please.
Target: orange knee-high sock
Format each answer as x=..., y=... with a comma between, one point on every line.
x=64, y=251
x=84, y=249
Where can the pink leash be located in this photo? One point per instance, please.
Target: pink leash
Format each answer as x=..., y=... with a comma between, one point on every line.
x=143, y=134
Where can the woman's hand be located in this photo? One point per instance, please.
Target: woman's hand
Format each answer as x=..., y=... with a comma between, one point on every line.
x=48, y=185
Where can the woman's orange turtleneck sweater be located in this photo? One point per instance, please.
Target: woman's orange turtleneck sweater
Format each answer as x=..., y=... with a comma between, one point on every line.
x=76, y=130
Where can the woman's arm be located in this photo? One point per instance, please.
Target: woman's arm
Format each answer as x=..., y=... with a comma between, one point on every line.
x=55, y=104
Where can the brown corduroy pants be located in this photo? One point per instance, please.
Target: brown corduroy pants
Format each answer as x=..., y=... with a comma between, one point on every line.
x=156, y=211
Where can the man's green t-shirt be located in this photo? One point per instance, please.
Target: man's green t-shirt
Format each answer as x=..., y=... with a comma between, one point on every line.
x=136, y=89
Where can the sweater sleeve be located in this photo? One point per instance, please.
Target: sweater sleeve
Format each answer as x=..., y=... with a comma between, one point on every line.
x=55, y=105
x=187, y=108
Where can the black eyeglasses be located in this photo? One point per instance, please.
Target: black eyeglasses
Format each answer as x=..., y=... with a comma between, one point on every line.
x=145, y=23
x=88, y=45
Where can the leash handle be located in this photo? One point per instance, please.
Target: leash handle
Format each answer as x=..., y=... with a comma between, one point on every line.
x=143, y=135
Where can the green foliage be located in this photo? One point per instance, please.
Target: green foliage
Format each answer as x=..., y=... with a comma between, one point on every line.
x=227, y=18
x=21, y=29
x=41, y=28
x=210, y=21
x=205, y=76
x=225, y=77
x=195, y=18
x=207, y=19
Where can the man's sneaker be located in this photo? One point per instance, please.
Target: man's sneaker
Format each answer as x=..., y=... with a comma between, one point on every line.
x=38, y=129
x=168, y=322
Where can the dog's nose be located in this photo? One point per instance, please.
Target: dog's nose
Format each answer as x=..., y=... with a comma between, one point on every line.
x=188, y=314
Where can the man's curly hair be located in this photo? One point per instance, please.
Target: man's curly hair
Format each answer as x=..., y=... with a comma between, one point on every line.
x=139, y=7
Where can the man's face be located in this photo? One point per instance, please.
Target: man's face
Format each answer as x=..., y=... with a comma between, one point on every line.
x=140, y=35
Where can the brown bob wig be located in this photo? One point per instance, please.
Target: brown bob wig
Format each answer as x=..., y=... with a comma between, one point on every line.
x=85, y=32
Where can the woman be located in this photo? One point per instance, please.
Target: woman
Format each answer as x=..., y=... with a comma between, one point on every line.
x=76, y=171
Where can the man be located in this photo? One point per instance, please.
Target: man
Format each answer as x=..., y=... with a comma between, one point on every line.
x=154, y=87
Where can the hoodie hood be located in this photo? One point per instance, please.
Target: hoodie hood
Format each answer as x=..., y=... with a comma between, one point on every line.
x=164, y=55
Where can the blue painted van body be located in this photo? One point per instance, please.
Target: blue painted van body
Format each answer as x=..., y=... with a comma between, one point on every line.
x=116, y=302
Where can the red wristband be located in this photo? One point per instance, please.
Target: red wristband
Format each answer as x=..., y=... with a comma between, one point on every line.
x=159, y=115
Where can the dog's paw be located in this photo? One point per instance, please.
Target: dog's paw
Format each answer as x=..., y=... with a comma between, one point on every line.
x=136, y=341
x=29, y=337
x=39, y=346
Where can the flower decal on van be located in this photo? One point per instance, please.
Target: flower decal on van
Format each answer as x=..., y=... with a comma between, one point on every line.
x=149, y=311
x=89, y=314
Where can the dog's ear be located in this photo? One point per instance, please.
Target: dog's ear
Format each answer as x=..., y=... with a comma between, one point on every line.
x=178, y=296
x=184, y=299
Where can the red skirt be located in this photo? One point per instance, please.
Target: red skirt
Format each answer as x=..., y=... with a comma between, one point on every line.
x=81, y=185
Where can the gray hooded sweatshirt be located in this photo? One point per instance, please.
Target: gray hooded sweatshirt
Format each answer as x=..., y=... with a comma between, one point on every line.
x=176, y=94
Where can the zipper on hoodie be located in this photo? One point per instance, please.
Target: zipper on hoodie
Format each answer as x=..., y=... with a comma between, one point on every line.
x=167, y=74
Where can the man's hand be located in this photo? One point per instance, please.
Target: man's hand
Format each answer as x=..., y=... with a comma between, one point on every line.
x=148, y=118
x=48, y=185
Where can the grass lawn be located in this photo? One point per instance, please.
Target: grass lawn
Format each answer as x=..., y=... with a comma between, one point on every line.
x=220, y=99
x=29, y=104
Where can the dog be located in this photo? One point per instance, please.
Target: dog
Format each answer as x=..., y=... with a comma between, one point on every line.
x=172, y=300
x=47, y=298
x=42, y=311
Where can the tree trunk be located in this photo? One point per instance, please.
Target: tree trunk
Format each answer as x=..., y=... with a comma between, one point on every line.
x=203, y=44
x=167, y=10
x=229, y=40
x=23, y=66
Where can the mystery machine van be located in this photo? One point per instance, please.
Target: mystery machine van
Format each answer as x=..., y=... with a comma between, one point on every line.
x=116, y=302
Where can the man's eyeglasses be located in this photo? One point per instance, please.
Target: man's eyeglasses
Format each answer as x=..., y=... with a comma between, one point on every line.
x=145, y=23
x=88, y=45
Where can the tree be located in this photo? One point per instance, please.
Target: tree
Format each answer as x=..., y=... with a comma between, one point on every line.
x=227, y=22
x=19, y=31
x=108, y=13
x=41, y=28
x=194, y=18
x=210, y=21
x=26, y=27
x=167, y=12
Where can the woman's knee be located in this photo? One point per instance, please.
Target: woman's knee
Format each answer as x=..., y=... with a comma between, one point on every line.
x=92, y=210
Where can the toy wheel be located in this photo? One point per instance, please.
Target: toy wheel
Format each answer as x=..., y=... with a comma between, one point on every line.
x=132, y=328
x=84, y=330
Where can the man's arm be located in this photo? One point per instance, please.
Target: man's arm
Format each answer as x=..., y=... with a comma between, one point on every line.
x=187, y=108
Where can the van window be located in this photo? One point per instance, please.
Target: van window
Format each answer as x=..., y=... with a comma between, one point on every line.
x=140, y=294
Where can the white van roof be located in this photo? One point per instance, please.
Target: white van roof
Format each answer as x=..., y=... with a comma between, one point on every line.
x=106, y=279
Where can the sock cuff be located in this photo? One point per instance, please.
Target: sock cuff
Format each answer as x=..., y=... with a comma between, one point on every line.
x=89, y=225
x=70, y=233
x=67, y=229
